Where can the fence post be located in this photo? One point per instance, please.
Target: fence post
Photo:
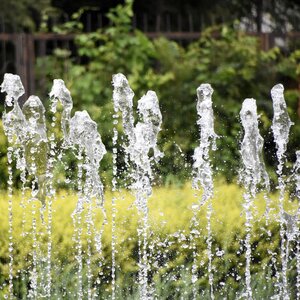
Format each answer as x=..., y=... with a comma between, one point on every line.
x=25, y=57
x=20, y=58
x=30, y=63
x=264, y=41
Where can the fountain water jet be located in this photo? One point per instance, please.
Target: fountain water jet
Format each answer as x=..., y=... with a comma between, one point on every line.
x=13, y=124
x=281, y=126
x=26, y=132
x=122, y=100
x=83, y=133
x=141, y=138
x=59, y=92
x=35, y=143
x=296, y=179
x=252, y=174
x=82, y=137
x=36, y=152
x=203, y=172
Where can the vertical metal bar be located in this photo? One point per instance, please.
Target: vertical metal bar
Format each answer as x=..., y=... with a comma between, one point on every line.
x=202, y=25
x=41, y=46
x=213, y=20
x=89, y=22
x=179, y=22
x=20, y=59
x=191, y=25
x=99, y=20
x=30, y=63
x=168, y=17
x=158, y=23
x=18, y=47
x=145, y=22
x=15, y=44
x=23, y=62
x=3, y=46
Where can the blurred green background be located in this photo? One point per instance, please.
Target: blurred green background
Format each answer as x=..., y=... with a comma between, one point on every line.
x=242, y=48
x=228, y=53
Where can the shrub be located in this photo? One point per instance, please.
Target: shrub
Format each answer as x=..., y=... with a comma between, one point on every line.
x=170, y=252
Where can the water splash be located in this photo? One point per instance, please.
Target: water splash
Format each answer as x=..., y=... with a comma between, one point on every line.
x=253, y=173
x=293, y=221
x=13, y=87
x=141, y=140
x=10, y=222
x=84, y=134
x=202, y=167
x=26, y=131
x=36, y=143
x=123, y=103
x=37, y=154
x=59, y=92
x=202, y=172
x=34, y=275
x=281, y=122
x=296, y=174
x=281, y=126
x=77, y=223
x=146, y=132
x=81, y=136
x=13, y=123
x=145, y=140
x=122, y=97
x=113, y=204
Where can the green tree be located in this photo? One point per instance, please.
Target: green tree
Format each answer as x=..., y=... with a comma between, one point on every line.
x=230, y=60
x=23, y=14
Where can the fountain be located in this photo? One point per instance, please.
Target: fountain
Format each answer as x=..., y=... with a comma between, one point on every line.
x=81, y=135
x=141, y=138
x=281, y=127
x=182, y=263
x=203, y=173
x=13, y=126
x=252, y=174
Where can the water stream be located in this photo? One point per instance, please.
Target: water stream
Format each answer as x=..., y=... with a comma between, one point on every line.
x=203, y=174
x=252, y=174
x=281, y=126
x=141, y=138
x=35, y=151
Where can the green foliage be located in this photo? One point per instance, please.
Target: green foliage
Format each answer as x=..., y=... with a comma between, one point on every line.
x=23, y=14
x=170, y=246
x=231, y=61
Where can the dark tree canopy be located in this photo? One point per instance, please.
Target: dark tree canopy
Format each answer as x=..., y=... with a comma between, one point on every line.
x=22, y=15
x=279, y=15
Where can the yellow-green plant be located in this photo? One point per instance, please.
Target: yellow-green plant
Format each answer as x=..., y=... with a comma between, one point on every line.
x=170, y=253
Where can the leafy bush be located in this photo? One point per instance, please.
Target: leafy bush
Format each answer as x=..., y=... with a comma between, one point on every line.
x=231, y=61
x=169, y=246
